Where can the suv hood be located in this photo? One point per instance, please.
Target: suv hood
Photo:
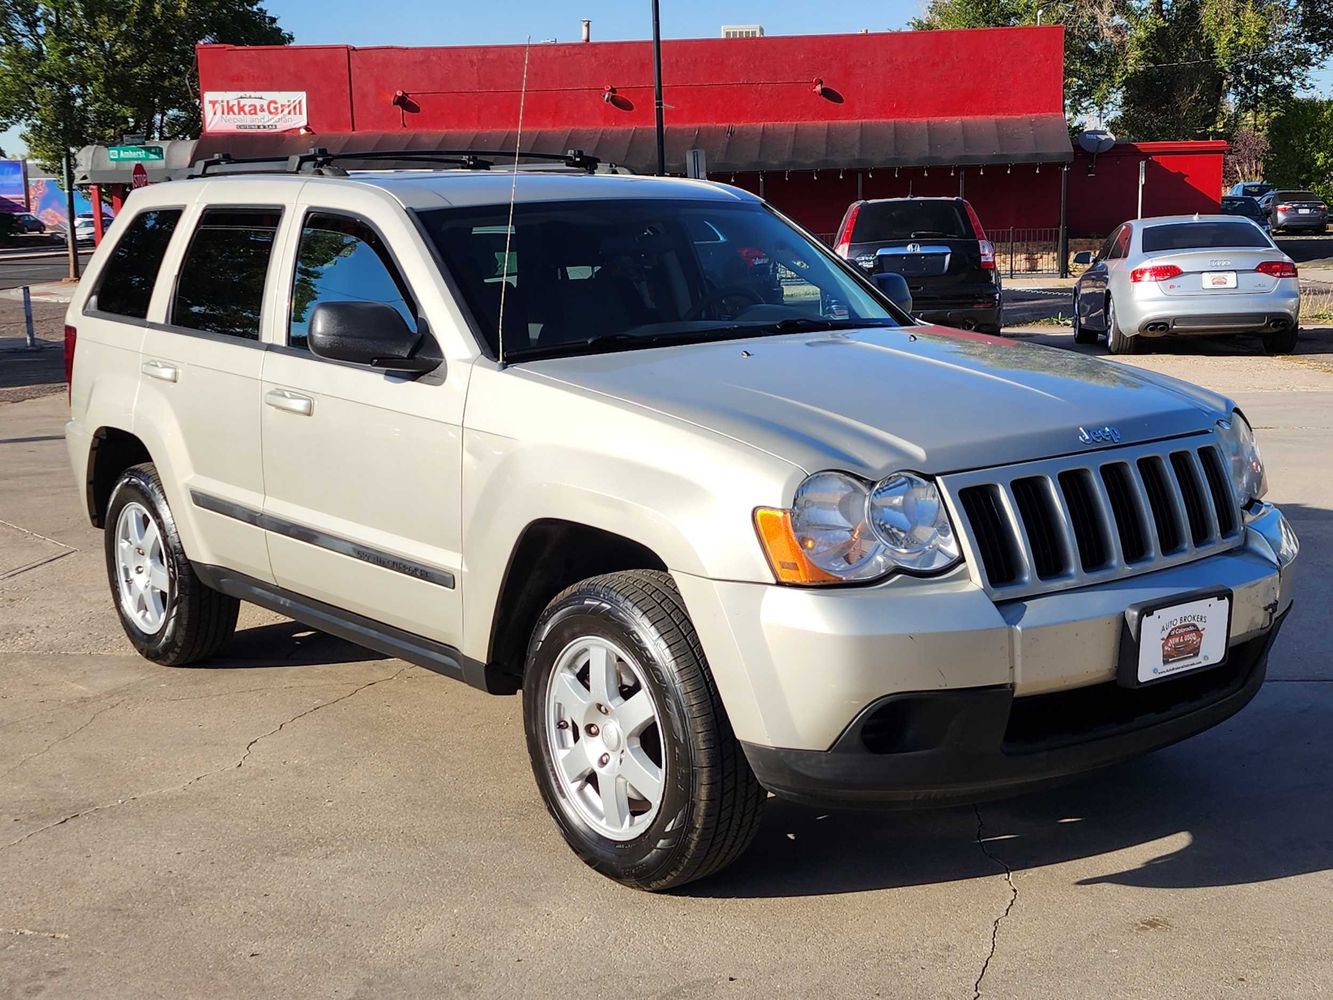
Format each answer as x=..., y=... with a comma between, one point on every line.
x=873, y=400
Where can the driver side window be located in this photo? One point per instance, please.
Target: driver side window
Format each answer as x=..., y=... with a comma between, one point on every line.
x=341, y=259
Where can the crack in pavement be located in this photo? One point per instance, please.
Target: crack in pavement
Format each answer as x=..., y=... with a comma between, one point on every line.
x=1013, y=898
x=28, y=932
x=249, y=747
x=56, y=742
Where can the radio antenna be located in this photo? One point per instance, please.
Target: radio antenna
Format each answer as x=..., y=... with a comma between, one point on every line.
x=513, y=192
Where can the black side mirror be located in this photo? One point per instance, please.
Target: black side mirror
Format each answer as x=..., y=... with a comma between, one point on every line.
x=366, y=333
x=1083, y=258
x=894, y=287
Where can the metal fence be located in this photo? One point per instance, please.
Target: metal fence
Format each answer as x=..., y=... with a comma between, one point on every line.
x=1026, y=251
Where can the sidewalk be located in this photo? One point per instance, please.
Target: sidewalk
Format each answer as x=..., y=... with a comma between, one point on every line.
x=47, y=291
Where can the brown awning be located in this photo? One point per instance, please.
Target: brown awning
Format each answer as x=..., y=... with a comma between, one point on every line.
x=924, y=142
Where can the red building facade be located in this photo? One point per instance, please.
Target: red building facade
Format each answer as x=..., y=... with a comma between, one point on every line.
x=812, y=122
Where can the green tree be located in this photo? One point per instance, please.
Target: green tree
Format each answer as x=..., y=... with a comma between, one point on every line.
x=1301, y=146
x=1096, y=39
x=75, y=72
x=1169, y=69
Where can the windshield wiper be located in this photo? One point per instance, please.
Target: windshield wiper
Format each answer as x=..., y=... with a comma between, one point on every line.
x=801, y=324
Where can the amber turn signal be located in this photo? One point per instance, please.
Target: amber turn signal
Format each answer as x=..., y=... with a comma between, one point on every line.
x=788, y=562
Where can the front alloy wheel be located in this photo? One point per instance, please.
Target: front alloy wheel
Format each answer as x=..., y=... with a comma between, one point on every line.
x=603, y=731
x=629, y=742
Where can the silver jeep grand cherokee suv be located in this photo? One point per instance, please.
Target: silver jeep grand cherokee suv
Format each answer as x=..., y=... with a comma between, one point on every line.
x=547, y=431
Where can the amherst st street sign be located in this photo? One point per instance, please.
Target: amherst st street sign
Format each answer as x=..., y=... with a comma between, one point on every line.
x=134, y=154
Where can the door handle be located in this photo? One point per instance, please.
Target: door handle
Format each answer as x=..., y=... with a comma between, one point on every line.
x=160, y=370
x=292, y=402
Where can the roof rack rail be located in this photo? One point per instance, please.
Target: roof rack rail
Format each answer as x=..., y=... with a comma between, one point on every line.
x=320, y=160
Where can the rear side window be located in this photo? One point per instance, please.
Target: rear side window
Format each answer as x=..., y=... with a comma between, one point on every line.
x=127, y=280
x=343, y=260
x=221, y=283
x=1202, y=236
x=879, y=222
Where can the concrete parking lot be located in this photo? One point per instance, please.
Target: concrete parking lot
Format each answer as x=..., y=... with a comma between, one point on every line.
x=301, y=818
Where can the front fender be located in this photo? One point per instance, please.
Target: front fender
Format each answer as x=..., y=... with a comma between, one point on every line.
x=535, y=451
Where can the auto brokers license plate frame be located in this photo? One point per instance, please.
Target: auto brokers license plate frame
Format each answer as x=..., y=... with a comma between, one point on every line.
x=1143, y=665
x=1210, y=280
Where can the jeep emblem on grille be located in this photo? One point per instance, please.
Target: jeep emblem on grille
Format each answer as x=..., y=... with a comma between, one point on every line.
x=1099, y=435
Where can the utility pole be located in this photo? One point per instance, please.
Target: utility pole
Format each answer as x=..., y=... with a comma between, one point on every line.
x=71, y=246
x=657, y=91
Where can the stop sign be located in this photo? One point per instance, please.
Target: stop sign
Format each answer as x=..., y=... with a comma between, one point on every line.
x=139, y=178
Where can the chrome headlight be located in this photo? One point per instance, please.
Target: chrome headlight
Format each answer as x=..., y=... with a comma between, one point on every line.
x=842, y=530
x=1243, y=462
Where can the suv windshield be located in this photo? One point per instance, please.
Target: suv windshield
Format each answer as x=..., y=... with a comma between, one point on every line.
x=880, y=221
x=1201, y=236
x=580, y=277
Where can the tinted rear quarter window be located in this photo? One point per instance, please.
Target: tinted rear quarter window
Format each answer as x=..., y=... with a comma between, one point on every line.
x=879, y=222
x=1202, y=236
x=127, y=280
x=221, y=283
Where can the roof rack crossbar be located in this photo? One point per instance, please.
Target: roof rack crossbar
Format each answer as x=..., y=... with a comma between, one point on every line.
x=319, y=159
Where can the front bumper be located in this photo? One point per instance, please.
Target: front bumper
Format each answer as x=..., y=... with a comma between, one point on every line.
x=941, y=747
x=963, y=697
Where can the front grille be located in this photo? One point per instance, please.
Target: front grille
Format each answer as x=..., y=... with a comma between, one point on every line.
x=1084, y=519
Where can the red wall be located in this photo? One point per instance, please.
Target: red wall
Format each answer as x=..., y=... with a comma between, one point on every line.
x=886, y=75
x=323, y=71
x=1181, y=178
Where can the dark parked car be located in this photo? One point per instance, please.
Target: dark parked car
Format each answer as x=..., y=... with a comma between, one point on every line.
x=938, y=245
x=26, y=222
x=1288, y=210
x=1247, y=207
x=1250, y=189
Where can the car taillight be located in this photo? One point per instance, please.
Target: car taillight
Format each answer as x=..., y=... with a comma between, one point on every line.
x=71, y=339
x=1284, y=208
x=1277, y=268
x=987, y=247
x=843, y=244
x=1157, y=272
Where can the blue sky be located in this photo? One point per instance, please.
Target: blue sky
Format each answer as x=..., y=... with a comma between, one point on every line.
x=430, y=22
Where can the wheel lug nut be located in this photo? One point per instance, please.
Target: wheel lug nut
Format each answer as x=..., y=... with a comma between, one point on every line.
x=562, y=724
x=592, y=729
x=603, y=760
x=603, y=709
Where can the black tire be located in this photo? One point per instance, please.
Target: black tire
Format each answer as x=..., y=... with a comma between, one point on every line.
x=198, y=619
x=1082, y=335
x=1281, y=341
x=1116, y=341
x=710, y=801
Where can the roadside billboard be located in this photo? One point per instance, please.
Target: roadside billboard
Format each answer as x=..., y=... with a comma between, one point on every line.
x=13, y=186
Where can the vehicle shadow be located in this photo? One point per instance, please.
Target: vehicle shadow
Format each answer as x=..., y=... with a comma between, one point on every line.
x=286, y=644
x=1249, y=804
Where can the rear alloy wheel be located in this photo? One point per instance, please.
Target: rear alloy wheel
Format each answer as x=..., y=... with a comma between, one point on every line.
x=1117, y=341
x=1282, y=341
x=167, y=612
x=629, y=742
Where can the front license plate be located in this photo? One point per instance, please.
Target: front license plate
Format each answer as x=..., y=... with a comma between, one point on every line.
x=1219, y=279
x=1168, y=639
